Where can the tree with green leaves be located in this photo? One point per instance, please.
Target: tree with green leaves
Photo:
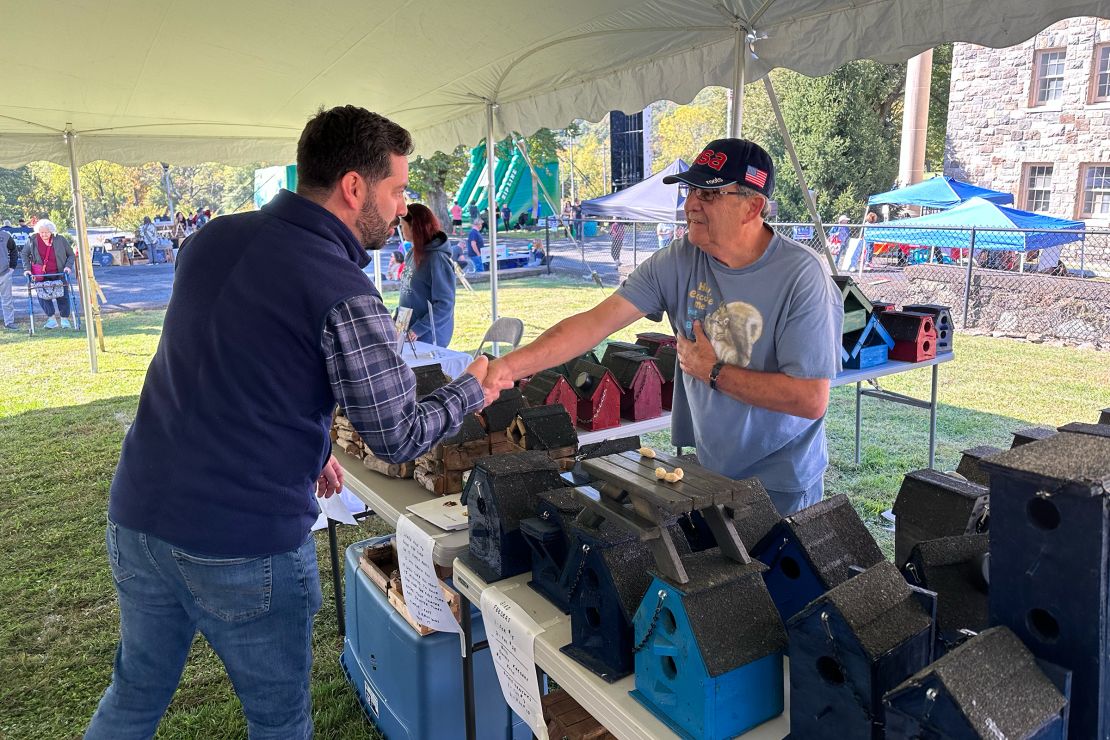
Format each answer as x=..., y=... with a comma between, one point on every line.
x=434, y=176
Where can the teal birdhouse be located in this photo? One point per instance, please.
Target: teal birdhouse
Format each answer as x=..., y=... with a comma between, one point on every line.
x=709, y=651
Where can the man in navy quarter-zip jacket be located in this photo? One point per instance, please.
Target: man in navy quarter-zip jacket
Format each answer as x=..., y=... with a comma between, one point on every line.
x=271, y=324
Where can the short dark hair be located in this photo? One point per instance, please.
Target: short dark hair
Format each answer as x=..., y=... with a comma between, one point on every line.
x=344, y=139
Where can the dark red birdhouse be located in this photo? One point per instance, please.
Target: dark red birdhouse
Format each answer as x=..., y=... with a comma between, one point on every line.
x=599, y=396
x=642, y=383
x=549, y=387
x=915, y=335
x=667, y=361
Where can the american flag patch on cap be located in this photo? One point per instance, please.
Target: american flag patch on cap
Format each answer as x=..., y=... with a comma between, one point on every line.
x=756, y=176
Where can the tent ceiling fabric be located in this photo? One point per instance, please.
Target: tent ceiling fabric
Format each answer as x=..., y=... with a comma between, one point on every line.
x=143, y=80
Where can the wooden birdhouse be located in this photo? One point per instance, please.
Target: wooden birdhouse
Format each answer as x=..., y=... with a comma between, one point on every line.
x=501, y=491
x=1078, y=427
x=1050, y=562
x=955, y=568
x=642, y=383
x=880, y=306
x=655, y=340
x=942, y=322
x=849, y=647
x=567, y=368
x=599, y=396
x=915, y=335
x=752, y=512
x=666, y=359
x=614, y=347
x=707, y=675
x=440, y=470
x=969, y=463
x=547, y=429
x=567, y=720
x=931, y=504
x=813, y=550
x=429, y=378
x=500, y=414
x=857, y=308
x=608, y=576
x=989, y=687
x=867, y=347
x=1026, y=435
x=549, y=387
x=549, y=538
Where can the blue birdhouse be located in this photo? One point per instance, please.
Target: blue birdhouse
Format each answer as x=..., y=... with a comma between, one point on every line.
x=500, y=492
x=709, y=651
x=1050, y=562
x=548, y=536
x=608, y=573
x=850, y=646
x=955, y=568
x=813, y=550
x=931, y=504
x=989, y=687
x=866, y=347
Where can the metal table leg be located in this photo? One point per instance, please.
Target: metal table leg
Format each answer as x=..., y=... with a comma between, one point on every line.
x=468, y=667
x=933, y=420
x=859, y=398
x=336, y=581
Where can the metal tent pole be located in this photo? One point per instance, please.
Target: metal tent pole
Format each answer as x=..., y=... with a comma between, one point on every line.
x=491, y=206
x=84, y=272
x=863, y=243
x=806, y=195
x=739, y=70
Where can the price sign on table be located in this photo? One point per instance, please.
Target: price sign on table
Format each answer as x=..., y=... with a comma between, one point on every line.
x=512, y=636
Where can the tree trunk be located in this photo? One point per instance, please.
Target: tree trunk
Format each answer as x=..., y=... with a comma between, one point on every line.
x=437, y=203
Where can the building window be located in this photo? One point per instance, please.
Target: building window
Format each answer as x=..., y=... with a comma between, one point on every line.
x=1048, y=75
x=1101, y=78
x=1038, y=187
x=1096, y=191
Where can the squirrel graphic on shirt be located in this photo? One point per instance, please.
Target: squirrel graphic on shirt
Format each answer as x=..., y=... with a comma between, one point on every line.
x=733, y=329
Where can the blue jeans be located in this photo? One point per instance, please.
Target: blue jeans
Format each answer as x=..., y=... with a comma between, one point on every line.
x=788, y=502
x=255, y=612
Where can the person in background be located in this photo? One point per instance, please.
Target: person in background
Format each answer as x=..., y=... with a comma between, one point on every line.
x=49, y=253
x=664, y=233
x=428, y=278
x=872, y=217
x=9, y=258
x=474, y=245
x=396, y=264
x=213, y=500
x=839, y=235
x=576, y=216
x=536, y=255
x=616, y=241
x=148, y=232
x=22, y=233
x=506, y=216
x=456, y=218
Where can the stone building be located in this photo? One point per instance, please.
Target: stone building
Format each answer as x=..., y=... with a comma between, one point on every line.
x=1034, y=120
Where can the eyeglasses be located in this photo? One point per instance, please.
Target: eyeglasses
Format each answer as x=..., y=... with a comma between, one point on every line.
x=707, y=195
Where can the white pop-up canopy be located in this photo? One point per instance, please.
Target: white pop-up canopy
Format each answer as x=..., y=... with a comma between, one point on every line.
x=140, y=80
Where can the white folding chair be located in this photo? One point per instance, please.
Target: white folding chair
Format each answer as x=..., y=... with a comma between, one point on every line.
x=505, y=330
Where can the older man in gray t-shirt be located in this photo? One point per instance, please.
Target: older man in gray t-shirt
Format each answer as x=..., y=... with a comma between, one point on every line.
x=758, y=324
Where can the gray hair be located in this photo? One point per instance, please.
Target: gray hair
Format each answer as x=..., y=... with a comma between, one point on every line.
x=747, y=192
x=45, y=224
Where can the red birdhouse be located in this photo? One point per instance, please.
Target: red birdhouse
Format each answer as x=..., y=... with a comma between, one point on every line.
x=599, y=397
x=654, y=340
x=667, y=360
x=642, y=383
x=548, y=388
x=914, y=334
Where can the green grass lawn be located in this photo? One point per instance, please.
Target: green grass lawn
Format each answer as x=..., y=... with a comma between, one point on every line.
x=60, y=435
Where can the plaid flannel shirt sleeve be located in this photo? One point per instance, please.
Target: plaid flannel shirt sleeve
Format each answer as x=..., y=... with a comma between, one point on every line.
x=377, y=390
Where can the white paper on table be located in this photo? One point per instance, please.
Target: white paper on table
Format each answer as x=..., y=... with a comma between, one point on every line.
x=423, y=594
x=511, y=633
x=340, y=507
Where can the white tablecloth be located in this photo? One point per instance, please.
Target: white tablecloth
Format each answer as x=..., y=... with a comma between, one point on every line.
x=453, y=362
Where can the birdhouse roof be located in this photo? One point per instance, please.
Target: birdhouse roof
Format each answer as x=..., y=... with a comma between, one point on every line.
x=609, y=447
x=878, y=606
x=470, y=431
x=614, y=347
x=1078, y=427
x=654, y=339
x=667, y=359
x=952, y=566
x=871, y=335
x=499, y=414
x=930, y=496
x=567, y=368
x=548, y=427
x=625, y=366
x=853, y=296
x=540, y=386
x=905, y=326
x=597, y=373
x=516, y=479
x=564, y=500
x=719, y=586
x=995, y=682
x=1075, y=464
x=754, y=515
x=1025, y=435
x=834, y=539
x=429, y=378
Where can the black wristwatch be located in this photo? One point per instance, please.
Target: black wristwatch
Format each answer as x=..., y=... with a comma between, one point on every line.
x=713, y=374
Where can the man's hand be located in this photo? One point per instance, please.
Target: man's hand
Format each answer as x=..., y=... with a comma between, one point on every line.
x=492, y=385
x=330, y=481
x=696, y=358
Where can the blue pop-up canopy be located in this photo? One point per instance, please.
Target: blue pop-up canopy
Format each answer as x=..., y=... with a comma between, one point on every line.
x=938, y=192
x=1042, y=231
x=647, y=200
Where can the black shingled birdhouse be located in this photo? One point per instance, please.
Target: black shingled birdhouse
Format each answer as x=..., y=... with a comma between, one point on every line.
x=990, y=687
x=608, y=575
x=710, y=657
x=850, y=646
x=501, y=491
x=932, y=505
x=942, y=322
x=499, y=414
x=813, y=550
x=545, y=428
x=969, y=463
x=549, y=387
x=548, y=536
x=1104, y=417
x=667, y=360
x=857, y=308
x=1031, y=434
x=642, y=383
x=429, y=378
x=613, y=348
x=1050, y=562
x=655, y=340
x=955, y=568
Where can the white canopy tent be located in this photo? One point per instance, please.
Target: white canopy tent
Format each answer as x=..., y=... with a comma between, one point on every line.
x=142, y=80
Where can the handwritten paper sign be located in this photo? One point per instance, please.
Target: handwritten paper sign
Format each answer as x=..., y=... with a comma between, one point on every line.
x=512, y=635
x=423, y=594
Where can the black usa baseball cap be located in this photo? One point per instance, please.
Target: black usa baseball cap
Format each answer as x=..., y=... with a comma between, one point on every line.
x=727, y=161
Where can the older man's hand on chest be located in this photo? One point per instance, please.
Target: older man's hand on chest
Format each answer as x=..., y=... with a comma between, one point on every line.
x=696, y=358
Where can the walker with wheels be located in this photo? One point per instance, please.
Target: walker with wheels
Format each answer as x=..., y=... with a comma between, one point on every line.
x=51, y=286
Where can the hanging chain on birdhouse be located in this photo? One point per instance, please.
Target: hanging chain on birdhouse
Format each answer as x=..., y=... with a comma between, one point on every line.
x=578, y=575
x=654, y=620
x=600, y=405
